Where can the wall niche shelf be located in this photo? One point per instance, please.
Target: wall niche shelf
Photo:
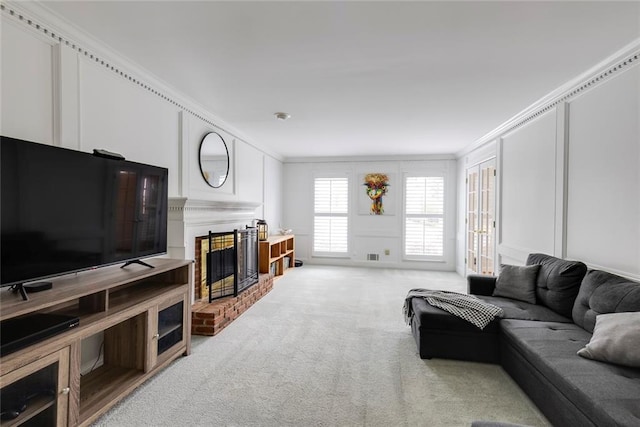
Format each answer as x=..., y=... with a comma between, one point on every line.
x=277, y=254
x=144, y=316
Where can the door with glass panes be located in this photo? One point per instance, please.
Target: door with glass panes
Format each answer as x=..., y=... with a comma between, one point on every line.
x=480, y=218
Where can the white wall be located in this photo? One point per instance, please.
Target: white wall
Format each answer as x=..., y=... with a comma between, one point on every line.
x=119, y=116
x=369, y=234
x=569, y=173
x=527, y=181
x=60, y=87
x=272, y=190
x=603, y=207
x=26, y=103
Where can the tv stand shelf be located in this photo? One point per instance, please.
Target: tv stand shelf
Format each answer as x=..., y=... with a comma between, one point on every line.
x=141, y=314
x=35, y=407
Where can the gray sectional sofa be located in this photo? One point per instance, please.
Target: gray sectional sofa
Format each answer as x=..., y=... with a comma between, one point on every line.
x=537, y=343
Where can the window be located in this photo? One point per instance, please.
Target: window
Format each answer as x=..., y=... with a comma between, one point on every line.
x=424, y=217
x=330, y=219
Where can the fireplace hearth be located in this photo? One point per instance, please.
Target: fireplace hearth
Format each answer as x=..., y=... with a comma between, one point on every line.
x=209, y=318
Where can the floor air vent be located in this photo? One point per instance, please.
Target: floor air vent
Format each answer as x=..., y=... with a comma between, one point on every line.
x=373, y=257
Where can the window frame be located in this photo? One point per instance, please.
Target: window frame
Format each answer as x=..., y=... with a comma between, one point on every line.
x=346, y=215
x=442, y=216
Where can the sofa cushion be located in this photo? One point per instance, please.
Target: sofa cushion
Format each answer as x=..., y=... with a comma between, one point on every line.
x=607, y=394
x=558, y=282
x=603, y=293
x=616, y=339
x=514, y=309
x=479, y=284
x=517, y=282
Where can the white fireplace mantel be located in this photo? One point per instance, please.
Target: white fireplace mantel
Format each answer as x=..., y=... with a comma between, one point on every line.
x=197, y=212
x=191, y=218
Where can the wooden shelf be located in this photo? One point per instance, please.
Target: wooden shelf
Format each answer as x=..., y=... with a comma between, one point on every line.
x=92, y=282
x=121, y=304
x=273, y=253
x=34, y=407
x=100, y=388
x=167, y=330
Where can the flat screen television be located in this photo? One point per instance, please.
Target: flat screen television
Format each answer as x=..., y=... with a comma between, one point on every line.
x=65, y=211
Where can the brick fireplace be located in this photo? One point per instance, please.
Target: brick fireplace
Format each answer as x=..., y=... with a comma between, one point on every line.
x=190, y=222
x=210, y=316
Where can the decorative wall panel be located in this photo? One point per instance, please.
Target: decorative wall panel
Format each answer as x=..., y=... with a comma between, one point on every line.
x=603, y=206
x=27, y=86
x=528, y=173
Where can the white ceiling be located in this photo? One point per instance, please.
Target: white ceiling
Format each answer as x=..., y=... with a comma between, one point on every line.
x=361, y=78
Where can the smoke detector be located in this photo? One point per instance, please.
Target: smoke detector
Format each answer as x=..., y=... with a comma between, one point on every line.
x=282, y=116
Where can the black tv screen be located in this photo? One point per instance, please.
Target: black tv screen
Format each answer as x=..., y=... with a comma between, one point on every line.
x=65, y=210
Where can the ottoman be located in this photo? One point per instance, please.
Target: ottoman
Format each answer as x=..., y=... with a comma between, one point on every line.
x=443, y=335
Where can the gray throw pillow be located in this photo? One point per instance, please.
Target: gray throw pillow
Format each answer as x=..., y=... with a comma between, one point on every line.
x=517, y=282
x=616, y=339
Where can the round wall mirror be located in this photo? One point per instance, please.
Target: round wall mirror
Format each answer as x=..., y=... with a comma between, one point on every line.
x=214, y=159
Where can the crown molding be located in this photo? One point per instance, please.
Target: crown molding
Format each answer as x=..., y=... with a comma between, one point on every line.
x=610, y=67
x=370, y=159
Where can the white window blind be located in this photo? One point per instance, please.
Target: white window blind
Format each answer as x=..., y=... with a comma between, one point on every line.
x=424, y=216
x=331, y=209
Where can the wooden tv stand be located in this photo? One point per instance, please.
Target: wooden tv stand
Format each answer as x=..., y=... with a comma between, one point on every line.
x=141, y=314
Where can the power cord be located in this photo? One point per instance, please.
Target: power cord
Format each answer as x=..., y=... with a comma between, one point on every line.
x=98, y=358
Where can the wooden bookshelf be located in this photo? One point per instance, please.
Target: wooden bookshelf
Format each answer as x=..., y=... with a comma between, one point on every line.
x=277, y=254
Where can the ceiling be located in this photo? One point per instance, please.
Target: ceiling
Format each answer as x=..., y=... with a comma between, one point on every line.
x=361, y=78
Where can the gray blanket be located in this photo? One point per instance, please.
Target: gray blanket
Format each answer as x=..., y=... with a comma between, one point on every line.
x=467, y=307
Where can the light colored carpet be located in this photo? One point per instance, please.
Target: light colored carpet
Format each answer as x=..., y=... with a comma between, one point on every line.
x=326, y=347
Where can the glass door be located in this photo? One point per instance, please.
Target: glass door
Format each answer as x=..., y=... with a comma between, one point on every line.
x=481, y=225
x=472, y=219
x=37, y=394
x=169, y=329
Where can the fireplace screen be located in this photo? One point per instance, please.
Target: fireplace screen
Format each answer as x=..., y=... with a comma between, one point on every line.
x=232, y=262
